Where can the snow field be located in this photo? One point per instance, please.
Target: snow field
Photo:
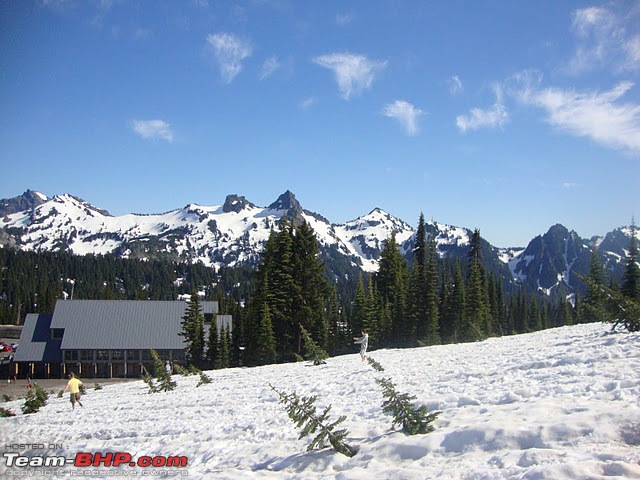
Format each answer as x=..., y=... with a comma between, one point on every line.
x=561, y=403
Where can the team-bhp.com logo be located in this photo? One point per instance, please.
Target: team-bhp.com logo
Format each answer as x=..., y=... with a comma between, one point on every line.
x=87, y=459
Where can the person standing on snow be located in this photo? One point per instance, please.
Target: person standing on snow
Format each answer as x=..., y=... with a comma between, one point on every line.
x=74, y=389
x=364, y=342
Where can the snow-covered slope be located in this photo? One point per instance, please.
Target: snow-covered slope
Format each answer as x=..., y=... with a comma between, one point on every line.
x=234, y=232
x=230, y=234
x=555, y=404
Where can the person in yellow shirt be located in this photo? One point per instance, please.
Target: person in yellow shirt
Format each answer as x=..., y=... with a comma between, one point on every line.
x=74, y=390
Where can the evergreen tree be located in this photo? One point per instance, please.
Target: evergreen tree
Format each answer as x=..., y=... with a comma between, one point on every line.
x=193, y=331
x=477, y=322
x=454, y=318
x=237, y=334
x=302, y=412
x=266, y=343
x=621, y=309
x=417, y=310
x=535, y=323
x=36, y=399
x=283, y=291
x=313, y=352
x=165, y=383
x=593, y=304
x=336, y=324
x=359, y=320
x=204, y=378
x=390, y=285
x=377, y=320
x=567, y=313
x=311, y=287
x=413, y=420
x=520, y=313
x=222, y=358
x=432, y=333
x=213, y=343
x=375, y=364
x=292, y=286
x=631, y=276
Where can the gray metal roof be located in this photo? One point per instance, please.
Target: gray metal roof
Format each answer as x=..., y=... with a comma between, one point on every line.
x=122, y=324
x=36, y=344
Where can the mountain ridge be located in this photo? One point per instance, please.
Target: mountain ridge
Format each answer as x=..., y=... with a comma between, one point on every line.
x=232, y=234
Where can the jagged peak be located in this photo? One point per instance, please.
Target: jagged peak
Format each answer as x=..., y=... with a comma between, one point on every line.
x=558, y=229
x=290, y=207
x=236, y=203
x=286, y=201
x=29, y=199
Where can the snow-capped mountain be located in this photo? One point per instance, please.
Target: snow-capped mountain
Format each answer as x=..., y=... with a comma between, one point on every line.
x=230, y=234
x=550, y=261
x=233, y=233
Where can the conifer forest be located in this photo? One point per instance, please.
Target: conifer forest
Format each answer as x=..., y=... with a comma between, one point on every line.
x=291, y=295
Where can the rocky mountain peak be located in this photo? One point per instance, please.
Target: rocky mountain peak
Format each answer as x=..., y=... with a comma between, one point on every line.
x=26, y=201
x=289, y=205
x=235, y=203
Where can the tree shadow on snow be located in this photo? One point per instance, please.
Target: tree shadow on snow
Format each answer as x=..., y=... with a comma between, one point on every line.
x=299, y=462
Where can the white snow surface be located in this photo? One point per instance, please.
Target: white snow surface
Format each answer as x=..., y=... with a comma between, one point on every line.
x=556, y=404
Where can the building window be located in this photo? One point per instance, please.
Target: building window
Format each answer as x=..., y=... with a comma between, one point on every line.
x=57, y=333
x=117, y=355
x=102, y=355
x=178, y=355
x=133, y=355
x=70, y=355
x=86, y=355
x=163, y=354
x=146, y=355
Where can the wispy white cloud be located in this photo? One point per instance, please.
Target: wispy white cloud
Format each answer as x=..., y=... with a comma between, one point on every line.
x=354, y=73
x=597, y=115
x=405, y=113
x=495, y=116
x=455, y=85
x=601, y=116
x=141, y=33
x=55, y=3
x=344, y=19
x=307, y=103
x=603, y=40
x=229, y=51
x=153, y=129
x=571, y=185
x=632, y=48
x=269, y=66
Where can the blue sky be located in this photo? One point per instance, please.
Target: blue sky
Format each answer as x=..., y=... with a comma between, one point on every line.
x=499, y=115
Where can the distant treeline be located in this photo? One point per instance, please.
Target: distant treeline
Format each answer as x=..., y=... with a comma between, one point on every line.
x=32, y=282
x=427, y=301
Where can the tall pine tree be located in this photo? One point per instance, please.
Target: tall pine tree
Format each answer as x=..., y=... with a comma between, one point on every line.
x=417, y=316
x=631, y=276
x=477, y=322
x=593, y=304
x=193, y=331
x=391, y=283
x=311, y=287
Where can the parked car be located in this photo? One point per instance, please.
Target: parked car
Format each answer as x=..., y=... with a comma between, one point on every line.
x=7, y=348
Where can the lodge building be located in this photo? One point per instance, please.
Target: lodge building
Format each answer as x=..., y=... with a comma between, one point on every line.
x=106, y=338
